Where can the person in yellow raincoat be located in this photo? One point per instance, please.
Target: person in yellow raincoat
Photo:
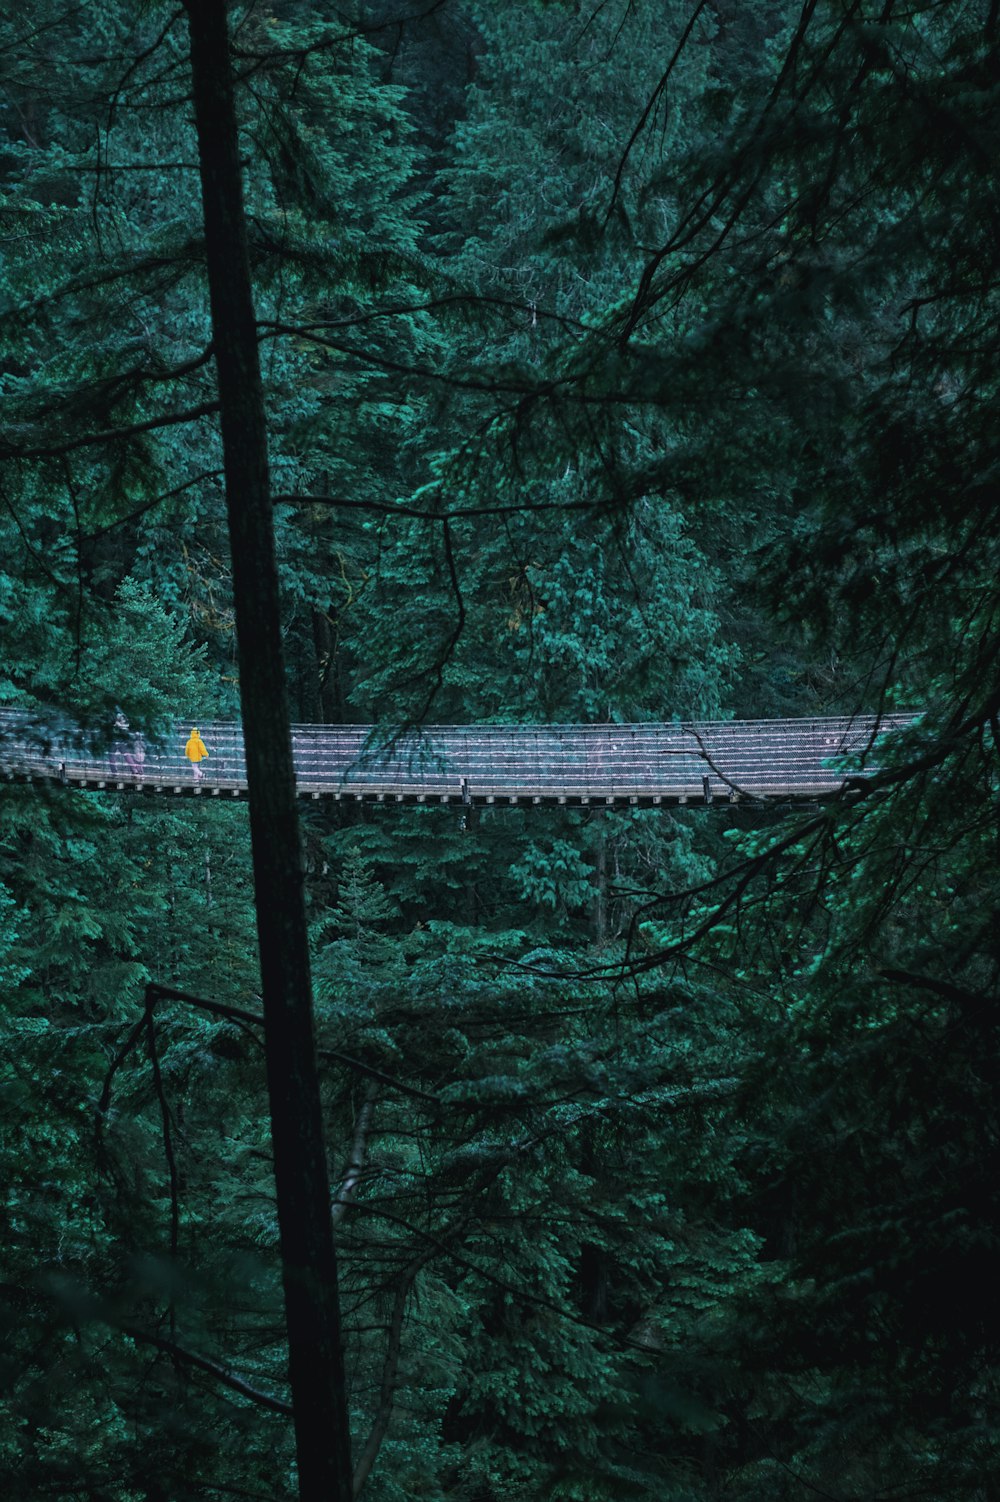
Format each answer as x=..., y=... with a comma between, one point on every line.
x=196, y=751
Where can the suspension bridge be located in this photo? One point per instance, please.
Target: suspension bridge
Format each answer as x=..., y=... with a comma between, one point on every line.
x=642, y=765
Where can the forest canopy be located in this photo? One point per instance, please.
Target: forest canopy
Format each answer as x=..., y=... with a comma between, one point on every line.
x=575, y=361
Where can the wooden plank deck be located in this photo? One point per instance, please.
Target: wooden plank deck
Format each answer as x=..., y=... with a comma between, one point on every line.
x=602, y=765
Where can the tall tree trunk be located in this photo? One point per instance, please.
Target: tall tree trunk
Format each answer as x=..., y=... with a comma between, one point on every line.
x=316, y=1367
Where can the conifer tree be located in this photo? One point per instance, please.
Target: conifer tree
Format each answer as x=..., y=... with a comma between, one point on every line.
x=670, y=392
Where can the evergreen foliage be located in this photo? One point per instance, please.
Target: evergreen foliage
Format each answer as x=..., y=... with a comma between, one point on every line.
x=622, y=361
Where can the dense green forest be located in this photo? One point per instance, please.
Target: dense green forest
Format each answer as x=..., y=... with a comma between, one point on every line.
x=586, y=361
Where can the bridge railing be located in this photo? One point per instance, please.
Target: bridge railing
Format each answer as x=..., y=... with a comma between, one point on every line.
x=756, y=758
x=678, y=760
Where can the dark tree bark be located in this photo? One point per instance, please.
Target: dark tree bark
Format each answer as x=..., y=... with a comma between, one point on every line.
x=316, y=1367
x=325, y=645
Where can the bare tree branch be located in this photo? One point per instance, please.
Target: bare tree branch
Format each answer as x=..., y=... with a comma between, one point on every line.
x=93, y=1311
x=10, y=450
x=385, y=508
x=651, y=104
x=203, y=1364
x=246, y=1020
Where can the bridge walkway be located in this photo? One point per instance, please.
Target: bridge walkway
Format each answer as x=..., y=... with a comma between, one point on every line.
x=640, y=765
